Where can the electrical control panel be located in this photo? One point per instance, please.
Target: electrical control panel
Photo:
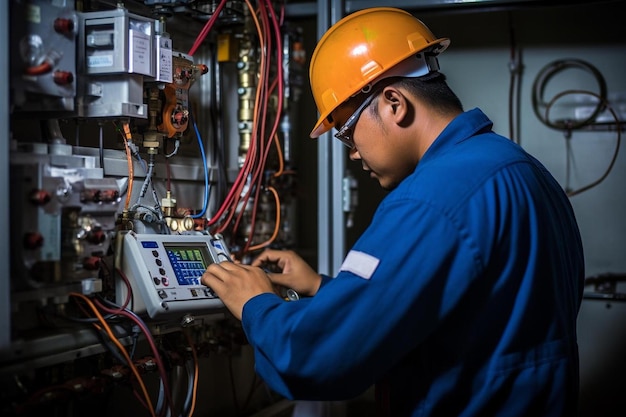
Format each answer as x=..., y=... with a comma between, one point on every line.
x=127, y=125
x=164, y=273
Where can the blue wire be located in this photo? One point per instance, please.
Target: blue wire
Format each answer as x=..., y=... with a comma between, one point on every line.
x=206, y=173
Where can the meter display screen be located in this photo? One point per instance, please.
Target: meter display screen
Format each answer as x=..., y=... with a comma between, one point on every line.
x=188, y=262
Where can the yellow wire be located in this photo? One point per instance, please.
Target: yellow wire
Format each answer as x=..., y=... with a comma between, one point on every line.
x=122, y=350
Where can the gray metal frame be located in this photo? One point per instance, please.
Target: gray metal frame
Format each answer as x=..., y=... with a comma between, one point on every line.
x=5, y=295
x=331, y=167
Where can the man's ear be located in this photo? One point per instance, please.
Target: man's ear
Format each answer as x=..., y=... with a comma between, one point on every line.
x=397, y=105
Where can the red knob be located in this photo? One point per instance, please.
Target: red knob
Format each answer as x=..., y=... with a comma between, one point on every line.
x=39, y=197
x=63, y=77
x=91, y=263
x=96, y=237
x=33, y=240
x=64, y=26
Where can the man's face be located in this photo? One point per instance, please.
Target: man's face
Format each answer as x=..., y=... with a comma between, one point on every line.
x=376, y=142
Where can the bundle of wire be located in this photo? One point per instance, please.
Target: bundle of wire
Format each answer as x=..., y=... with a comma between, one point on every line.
x=101, y=312
x=248, y=184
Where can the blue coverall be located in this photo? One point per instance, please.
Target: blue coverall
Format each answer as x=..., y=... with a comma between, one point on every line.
x=460, y=298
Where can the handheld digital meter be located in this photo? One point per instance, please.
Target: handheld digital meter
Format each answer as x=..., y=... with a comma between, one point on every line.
x=165, y=273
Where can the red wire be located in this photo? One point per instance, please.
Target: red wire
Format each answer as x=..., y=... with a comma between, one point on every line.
x=260, y=144
x=259, y=134
x=149, y=338
x=207, y=28
x=39, y=69
x=265, y=147
x=235, y=191
x=234, y=197
x=237, y=185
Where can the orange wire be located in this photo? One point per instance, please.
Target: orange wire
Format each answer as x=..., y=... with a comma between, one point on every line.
x=255, y=123
x=129, y=159
x=276, y=227
x=39, y=69
x=251, y=154
x=281, y=161
x=256, y=156
x=131, y=365
x=264, y=152
x=235, y=194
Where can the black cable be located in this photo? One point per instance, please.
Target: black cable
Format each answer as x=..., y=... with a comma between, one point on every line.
x=568, y=125
x=514, y=72
x=101, y=146
x=604, y=105
x=549, y=71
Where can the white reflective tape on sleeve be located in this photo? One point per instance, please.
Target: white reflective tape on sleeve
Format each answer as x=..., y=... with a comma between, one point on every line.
x=360, y=264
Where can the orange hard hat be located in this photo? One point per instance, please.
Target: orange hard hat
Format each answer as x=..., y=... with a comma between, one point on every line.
x=363, y=48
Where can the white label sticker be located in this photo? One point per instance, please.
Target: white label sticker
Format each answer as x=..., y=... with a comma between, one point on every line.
x=100, y=61
x=141, y=53
x=360, y=264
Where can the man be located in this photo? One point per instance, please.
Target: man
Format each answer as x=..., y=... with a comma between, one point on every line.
x=461, y=297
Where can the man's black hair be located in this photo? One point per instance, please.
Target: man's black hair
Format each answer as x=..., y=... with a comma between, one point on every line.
x=434, y=90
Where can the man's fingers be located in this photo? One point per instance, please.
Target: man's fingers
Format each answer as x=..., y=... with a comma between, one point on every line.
x=210, y=280
x=267, y=256
x=222, y=272
x=215, y=273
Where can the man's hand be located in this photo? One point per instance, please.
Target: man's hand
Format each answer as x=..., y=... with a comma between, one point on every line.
x=296, y=273
x=235, y=284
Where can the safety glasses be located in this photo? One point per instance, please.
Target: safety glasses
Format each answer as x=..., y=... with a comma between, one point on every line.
x=347, y=130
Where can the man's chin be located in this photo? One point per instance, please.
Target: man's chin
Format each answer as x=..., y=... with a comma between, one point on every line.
x=385, y=185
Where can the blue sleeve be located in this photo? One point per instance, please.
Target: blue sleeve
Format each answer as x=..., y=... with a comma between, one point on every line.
x=325, y=280
x=338, y=343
